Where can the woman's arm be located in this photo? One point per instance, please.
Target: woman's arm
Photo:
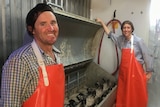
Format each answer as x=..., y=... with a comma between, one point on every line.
x=147, y=59
x=103, y=25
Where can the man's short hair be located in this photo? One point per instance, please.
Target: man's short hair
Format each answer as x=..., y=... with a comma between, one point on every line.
x=33, y=15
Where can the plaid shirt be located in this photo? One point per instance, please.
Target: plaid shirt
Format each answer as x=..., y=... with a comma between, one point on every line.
x=20, y=75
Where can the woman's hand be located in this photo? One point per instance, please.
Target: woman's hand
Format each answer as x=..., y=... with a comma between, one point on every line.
x=103, y=24
x=148, y=75
x=98, y=20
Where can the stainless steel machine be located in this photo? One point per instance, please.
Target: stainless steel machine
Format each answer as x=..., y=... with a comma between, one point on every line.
x=87, y=84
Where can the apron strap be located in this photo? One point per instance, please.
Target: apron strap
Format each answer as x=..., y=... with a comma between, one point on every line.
x=40, y=62
x=132, y=43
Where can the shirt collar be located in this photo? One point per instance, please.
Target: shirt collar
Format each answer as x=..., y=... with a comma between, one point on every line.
x=53, y=48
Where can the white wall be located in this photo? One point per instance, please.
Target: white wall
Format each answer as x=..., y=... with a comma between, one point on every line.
x=136, y=11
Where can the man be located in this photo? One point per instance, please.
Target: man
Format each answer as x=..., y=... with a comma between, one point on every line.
x=33, y=76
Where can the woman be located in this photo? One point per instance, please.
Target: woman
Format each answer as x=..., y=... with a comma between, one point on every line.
x=132, y=79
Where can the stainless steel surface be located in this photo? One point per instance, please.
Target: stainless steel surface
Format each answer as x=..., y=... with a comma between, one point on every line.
x=109, y=100
x=84, y=78
x=76, y=37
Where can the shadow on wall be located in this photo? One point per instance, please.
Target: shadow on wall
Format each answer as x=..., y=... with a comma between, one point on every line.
x=1, y=64
x=27, y=38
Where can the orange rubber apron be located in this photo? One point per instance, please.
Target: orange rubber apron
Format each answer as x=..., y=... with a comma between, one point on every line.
x=132, y=85
x=50, y=89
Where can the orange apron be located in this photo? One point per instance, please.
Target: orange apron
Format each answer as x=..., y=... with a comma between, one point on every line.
x=50, y=93
x=132, y=85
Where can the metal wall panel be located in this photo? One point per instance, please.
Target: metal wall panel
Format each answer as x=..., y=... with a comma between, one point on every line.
x=12, y=25
x=78, y=7
x=1, y=31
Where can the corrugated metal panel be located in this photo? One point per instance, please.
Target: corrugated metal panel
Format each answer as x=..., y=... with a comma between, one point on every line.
x=12, y=25
x=78, y=7
x=2, y=32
